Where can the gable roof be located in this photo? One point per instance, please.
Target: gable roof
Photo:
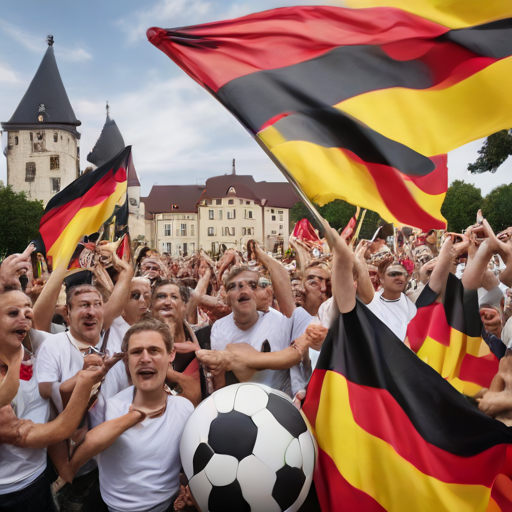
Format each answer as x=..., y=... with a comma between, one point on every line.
x=162, y=197
x=45, y=96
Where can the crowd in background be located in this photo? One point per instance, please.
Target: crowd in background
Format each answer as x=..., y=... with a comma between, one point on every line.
x=101, y=366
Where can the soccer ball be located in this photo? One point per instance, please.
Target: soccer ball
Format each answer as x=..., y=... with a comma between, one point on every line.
x=246, y=448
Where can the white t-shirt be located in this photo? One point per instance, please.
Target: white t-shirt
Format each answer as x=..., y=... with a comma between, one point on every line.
x=19, y=467
x=59, y=360
x=273, y=327
x=141, y=469
x=396, y=314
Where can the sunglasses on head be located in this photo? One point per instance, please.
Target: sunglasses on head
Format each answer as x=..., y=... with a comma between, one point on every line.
x=241, y=284
x=151, y=268
x=264, y=282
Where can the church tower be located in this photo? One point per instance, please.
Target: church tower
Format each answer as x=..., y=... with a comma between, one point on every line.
x=109, y=144
x=43, y=152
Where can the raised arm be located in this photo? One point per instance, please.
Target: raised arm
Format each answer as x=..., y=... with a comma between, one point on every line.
x=342, y=278
x=280, y=282
x=365, y=290
x=121, y=294
x=13, y=267
x=25, y=434
x=447, y=255
x=45, y=305
x=196, y=296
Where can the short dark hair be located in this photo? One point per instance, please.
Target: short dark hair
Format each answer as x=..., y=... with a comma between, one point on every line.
x=184, y=293
x=151, y=325
x=237, y=270
x=78, y=290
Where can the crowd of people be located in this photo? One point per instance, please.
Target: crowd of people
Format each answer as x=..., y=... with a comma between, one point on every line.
x=101, y=369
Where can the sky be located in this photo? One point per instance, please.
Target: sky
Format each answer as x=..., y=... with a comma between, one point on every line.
x=179, y=133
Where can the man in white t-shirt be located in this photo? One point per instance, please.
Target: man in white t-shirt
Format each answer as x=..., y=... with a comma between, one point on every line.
x=61, y=357
x=389, y=304
x=266, y=332
x=139, y=467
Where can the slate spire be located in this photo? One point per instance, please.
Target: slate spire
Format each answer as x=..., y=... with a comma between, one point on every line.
x=46, y=103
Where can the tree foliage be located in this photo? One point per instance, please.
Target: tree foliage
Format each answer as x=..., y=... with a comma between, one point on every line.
x=337, y=213
x=461, y=204
x=497, y=207
x=20, y=221
x=493, y=153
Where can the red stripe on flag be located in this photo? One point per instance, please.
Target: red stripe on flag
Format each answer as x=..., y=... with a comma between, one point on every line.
x=390, y=184
x=436, y=182
x=312, y=401
x=376, y=411
x=213, y=54
x=480, y=370
x=335, y=494
x=429, y=321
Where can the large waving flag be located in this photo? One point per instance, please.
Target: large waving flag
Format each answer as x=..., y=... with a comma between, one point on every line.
x=392, y=434
x=360, y=105
x=448, y=338
x=82, y=207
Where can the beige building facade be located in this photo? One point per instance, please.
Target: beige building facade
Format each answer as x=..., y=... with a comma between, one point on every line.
x=224, y=213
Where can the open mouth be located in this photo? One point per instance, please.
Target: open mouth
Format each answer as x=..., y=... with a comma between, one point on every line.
x=20, y=333
x=243, y=299
x=90, y=324
x=146, y=373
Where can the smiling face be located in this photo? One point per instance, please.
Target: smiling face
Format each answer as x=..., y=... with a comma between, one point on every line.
x=150, y=269
x=15, y=320
x=148, y=360
x=85, y=312
x=168, y=304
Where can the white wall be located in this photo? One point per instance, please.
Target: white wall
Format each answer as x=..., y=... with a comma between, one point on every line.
x=39, y=151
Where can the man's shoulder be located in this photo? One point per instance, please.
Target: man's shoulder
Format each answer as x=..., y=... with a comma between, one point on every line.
x=223, y=322
x=123, y=397
x=54, y=342
x=181, y=404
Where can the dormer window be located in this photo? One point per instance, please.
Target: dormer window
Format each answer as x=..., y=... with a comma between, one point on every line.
x=174, y=207
x=231, y=190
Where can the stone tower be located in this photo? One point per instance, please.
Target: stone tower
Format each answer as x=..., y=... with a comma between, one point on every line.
x=109, y=144
x=43, y=152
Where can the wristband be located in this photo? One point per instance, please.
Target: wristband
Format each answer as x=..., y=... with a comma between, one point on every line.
x=298, y=350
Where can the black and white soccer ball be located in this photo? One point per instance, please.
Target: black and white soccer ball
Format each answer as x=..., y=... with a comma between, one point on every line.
x=246, y=448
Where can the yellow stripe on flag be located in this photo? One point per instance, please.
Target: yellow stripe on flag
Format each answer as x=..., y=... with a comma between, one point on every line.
x=447, y=360
x=86, y=221
x=450, y=13
x=373, y=466
x=326, y=174
x=433, y=122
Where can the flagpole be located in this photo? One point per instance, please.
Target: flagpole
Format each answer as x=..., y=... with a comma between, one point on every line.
x=293, y=182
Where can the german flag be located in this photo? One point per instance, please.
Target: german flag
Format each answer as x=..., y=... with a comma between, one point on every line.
x=448, y=338
x=392, y=434
x=82, y=207
x=360, y=105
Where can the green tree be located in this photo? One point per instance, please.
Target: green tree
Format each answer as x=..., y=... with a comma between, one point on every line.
x=493, y=153
x=20, y=221
x=461, y=203
x=497, y=207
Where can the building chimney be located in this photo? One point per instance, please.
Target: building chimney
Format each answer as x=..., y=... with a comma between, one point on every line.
x=233, y=172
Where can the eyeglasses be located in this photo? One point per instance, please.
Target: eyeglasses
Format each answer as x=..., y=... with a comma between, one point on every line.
x=397, y=274
x=241, y=284
x=93, y=350
x=156, y=269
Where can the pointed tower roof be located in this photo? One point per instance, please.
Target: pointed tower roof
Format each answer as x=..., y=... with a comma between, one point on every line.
x=109, y=144
x=46, y=103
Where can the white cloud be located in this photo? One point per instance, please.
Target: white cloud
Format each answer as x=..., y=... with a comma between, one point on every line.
x=7, y=75
x=35, y=43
